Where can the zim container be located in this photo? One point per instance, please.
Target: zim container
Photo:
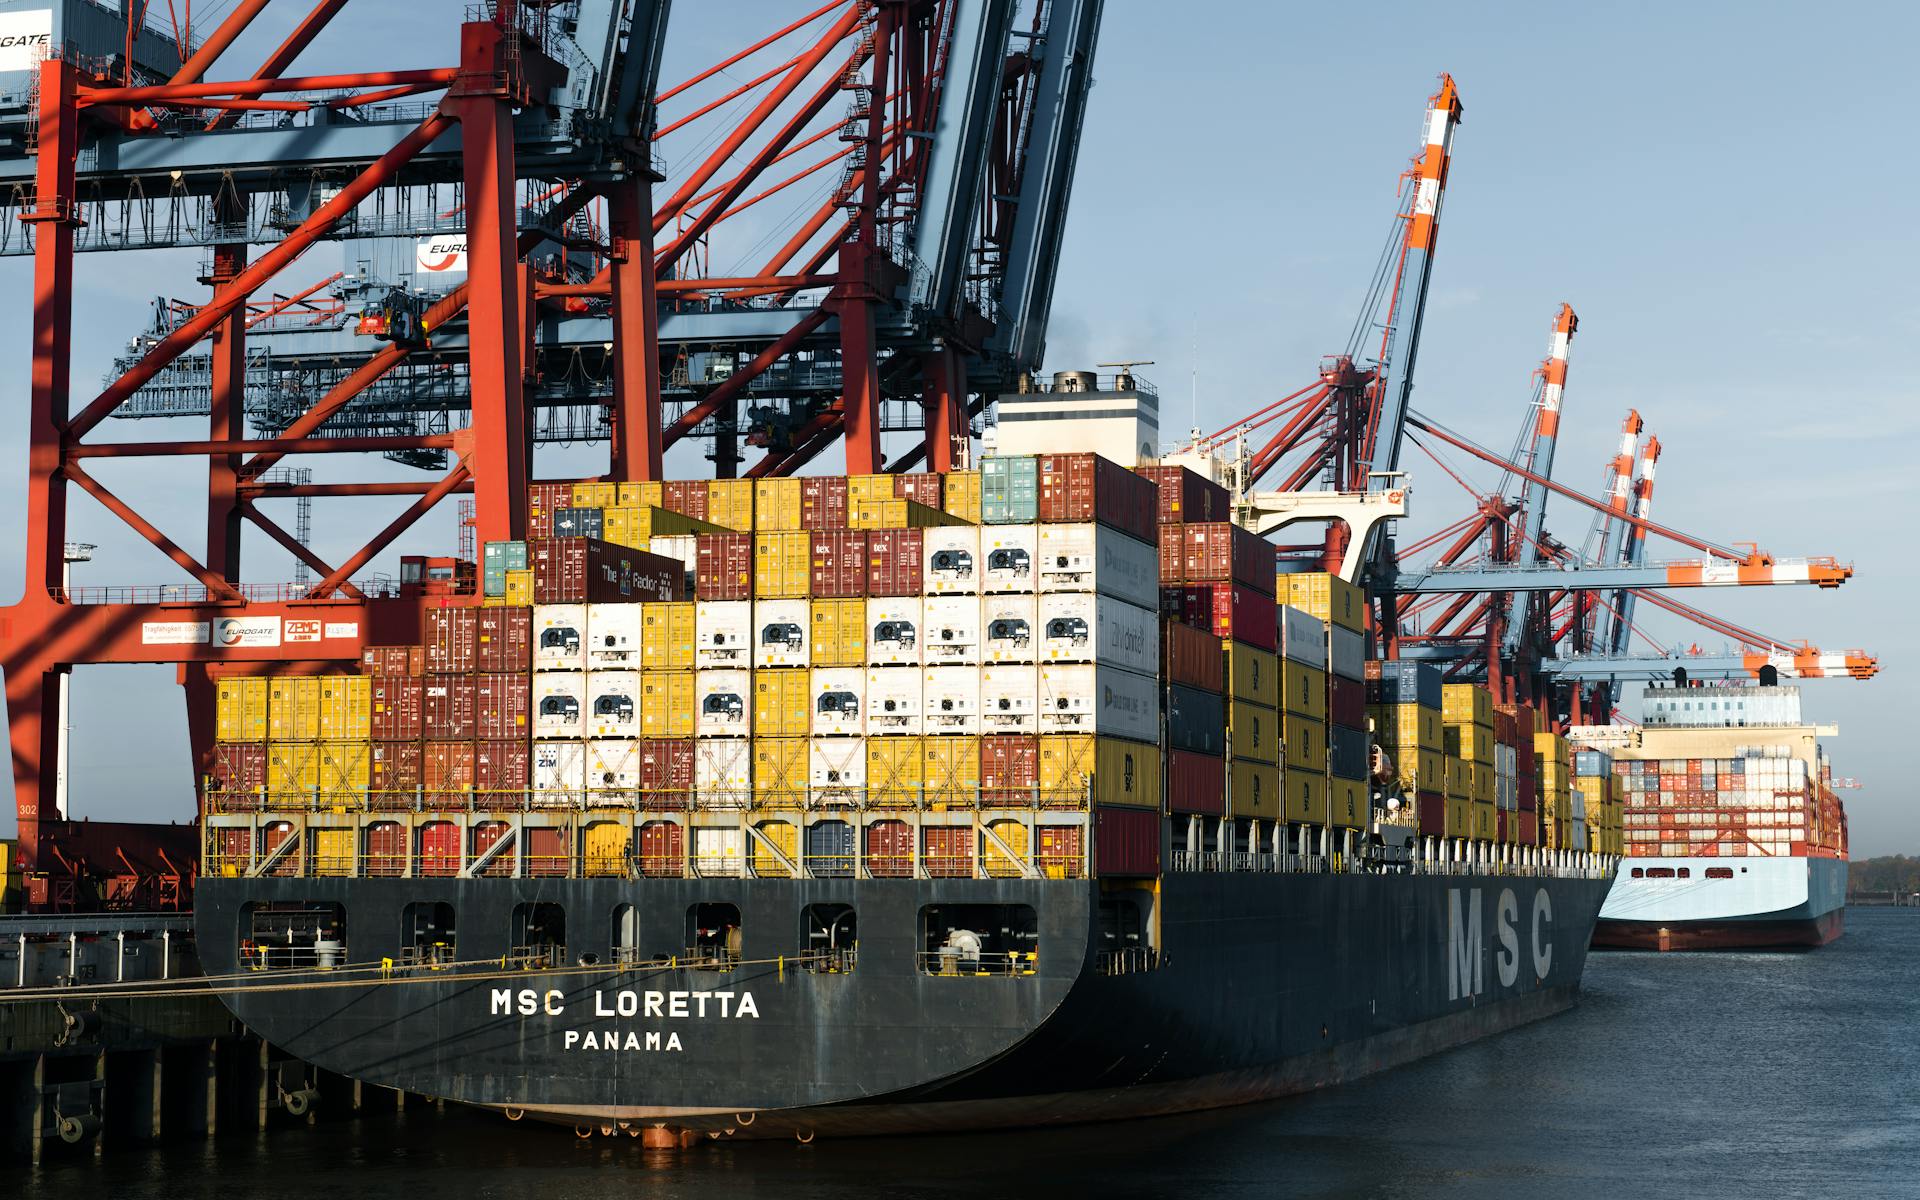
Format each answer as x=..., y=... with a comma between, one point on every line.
x=590, y=571
x=448, y=707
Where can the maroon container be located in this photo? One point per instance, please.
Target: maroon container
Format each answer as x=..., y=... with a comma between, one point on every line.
x=1009, y=769
x=723, y=566
x=1191, y=657
x=396, y=708
x=1528, y=786
x=1126, y=841
x=1228, y=610
x=447, y=708
x=450, y=641
x=889, y=849
x=500, y=771
x=386, y=849
x=548, y=851
x=947, y=851
x=839, y=563
x=687, y=496
x=542, y=500
x=922, y=487
x=446, y=772
x=1528, y=833
x=503, y=706
x=662, y=849
x=393, y=775
x=439, y=843
x=893, y=562
x=239, y=773
x=1185, y=496
x=1346, y=702
x=1430, y=811
x=1173, y=554
x=1060, y=850
x=393, y=660
x=1221, y=552
x=578, y=570
x=1086, y=487
x=666, y=774
x=485, y=835
x=1196, y=783
x=823, y=502
x=504, y=638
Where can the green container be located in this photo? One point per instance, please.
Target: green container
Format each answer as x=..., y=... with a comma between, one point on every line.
x=1010, y=490
x=495, y=561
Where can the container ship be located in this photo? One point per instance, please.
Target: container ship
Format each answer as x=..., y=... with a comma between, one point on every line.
x=1734, y=837
x=1030, y=793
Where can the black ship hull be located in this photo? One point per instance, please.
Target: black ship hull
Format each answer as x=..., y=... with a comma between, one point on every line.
x=1260, y=985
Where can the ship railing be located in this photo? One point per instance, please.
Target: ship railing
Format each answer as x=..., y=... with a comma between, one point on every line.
x=542, y=957
x=832, y=960
x=436, y=956
x=1128, y=960
x=948, y=963
x=710, y=958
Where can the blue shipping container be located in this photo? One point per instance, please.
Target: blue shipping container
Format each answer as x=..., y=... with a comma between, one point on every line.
x=1591, y=763
x=1196, y=720
x=1403, y=681
x=830, y=850
x=579, y=522
x=1346, y=752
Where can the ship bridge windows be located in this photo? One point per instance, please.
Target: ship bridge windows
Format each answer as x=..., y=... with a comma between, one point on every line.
x=833, y=937
x=294, y=935
x=713, y=936
x=979, y=939
x=427, y=934
x=539, y=935
x=1719, y=872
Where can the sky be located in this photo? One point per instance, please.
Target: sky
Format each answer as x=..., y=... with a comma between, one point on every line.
x=1719, y=190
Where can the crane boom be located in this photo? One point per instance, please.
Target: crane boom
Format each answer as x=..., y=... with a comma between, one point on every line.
x=1546, y=434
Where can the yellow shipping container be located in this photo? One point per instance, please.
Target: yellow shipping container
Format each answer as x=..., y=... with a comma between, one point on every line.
x=894, y=514
x=1459, y=780
x=596, y=495
x=1484, y=822
x=1306, y=745
x=1349, y=803
x=1483, y=783
x=730, y=504
x=344, y=770
x=1013, y=835
x=519, y=589
x=1118, y=772
x=1305, y=691
x=839, y=633
x=774, y=840
x=961, y=492
x=1252, y=673
x=645, y=493
x=346, y=706
x=951, y=770
x=293, y=771
x=782, y=566
x=1306, y=798
x=332, y=851
x=776, y=505
x=1408, y=725
x=895, y=772
x=606, y=850
x=1253, y=790
x=666, y=704
x=869, y=487
x=1422, y=769
x=240, y=709
x=1466, y=704
x=1459, y=822
x=1469, y=743
x=616, y=526
x=1253, y=732
x=780, y=771
x=667, y=636
x=293, y=708
x=782, y=703
x=1328, y=597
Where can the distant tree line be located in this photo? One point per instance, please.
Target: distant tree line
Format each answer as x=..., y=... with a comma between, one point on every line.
x=1889, y=873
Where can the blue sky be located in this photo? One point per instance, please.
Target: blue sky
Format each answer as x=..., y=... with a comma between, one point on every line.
x=1719, y=190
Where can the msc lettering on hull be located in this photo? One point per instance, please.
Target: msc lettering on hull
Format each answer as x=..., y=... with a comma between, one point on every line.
x=670, y=1005
x=1466, y=944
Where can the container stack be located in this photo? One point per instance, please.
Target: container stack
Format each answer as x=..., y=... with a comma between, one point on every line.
x=1762, y=802
x=1403, y=703
x=1553, y=757
x=1523, y=721
x=1592, y=796
x=1303, y=685
x=1466, y=712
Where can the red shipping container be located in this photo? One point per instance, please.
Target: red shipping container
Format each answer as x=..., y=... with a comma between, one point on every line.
x=893, y=562
x=578, y=570
x=662, y=849
x=1173, y=554
x=1196, y=783
x=1220, y=552
x=447, y=708
x=484, y=836
x=393, y=775
x=1087, y=487
x=439, y=848
x=823, y=502
x=839, y=563
x=1228, y=610
x=501, y=768
x=1346, y=702
x=1191, y=657
x=1430, y=811
x=922, y=487
x=1529, y=832
x=549, y=850
x=393, y=660
x=239, y=773
x=1186, y=496
x=503, y=706
x=666, y=774
x=1009, y=769
x=504, y=638
x=1061, y=851
x=272, y=838
x=947, y=851
x=396, y=708
x=889, y=850
x=1529, y=788
x=385, y=849
x=1126, y=841
x=450, y=641
x=446, y=772
x=687, y=496
x=723, y=566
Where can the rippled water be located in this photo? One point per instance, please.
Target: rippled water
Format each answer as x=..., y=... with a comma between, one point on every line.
x=1748, y=1075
